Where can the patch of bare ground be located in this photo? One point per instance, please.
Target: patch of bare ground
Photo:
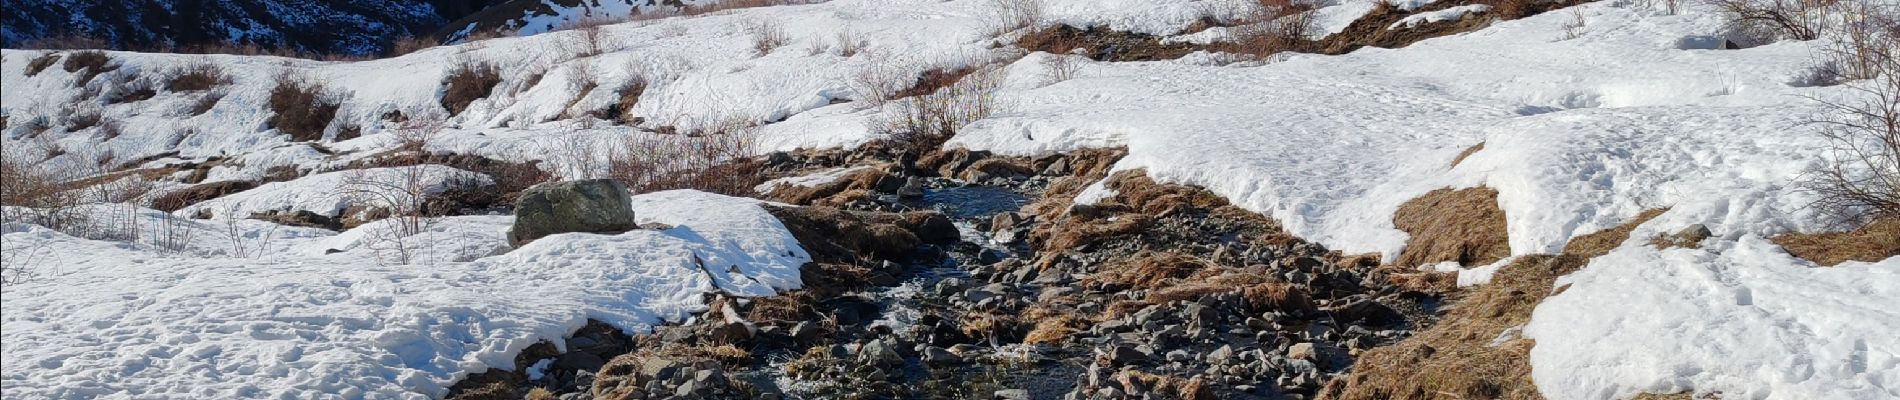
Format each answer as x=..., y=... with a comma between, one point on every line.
x=1373, y=28
x=1102, y=44
x=1474, y=149
x=1601, y=242
x=1870, y=243
x=1472, y=352
x=854, y=186
x=1463, y=225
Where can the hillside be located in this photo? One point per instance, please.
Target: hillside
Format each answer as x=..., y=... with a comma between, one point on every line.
x=355, y=27
x=963, y=199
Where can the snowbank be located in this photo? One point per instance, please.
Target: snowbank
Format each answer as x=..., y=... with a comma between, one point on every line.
x=1742, y=318
x=124, y=321
x=329, y=194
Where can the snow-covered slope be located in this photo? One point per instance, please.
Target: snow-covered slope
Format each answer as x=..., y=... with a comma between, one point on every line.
x=130, y=321
x=1583, y=128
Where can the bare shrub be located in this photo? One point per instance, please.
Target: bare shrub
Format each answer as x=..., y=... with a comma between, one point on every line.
x=879, y=81
x=715, y=159
x=402, y=195
x=130, y=89
x=767, y=35
x=922, y=123
x=411, y=44
x=1012, y=15
x=91, y=62
x=1862, y=177
x=197, y=77
x=1777, y=19
x=1060, y=67
x=1274, y=26
x=37, y=64
x=421, y=127
x=848, y=43
x=467, y=82
x=1573, y=28
x=301, y=107
x=1865, y=46
x=110, y=129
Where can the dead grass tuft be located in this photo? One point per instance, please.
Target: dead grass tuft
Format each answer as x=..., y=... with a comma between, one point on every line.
x=1472, y=352
x=469, y=81
x=37, y=64
x=1601, y=242
x=1474, y=149
x=1871, y=243
x=197, y=77
x=92, y=62
x=301, y=107
x=1463, y=225
x=1147, y=270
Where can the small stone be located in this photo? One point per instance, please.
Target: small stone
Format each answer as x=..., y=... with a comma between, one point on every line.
x=940, y=356
x=1179, y=355
x=878, y=352
x=1303, y=351
x=1012, y=394
x=806, y=332
x=1125, y=355
x=1220, y=355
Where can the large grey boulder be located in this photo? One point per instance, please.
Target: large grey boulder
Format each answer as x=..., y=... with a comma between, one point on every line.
x=591, y=206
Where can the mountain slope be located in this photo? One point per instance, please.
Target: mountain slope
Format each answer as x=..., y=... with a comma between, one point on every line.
x=345, y=26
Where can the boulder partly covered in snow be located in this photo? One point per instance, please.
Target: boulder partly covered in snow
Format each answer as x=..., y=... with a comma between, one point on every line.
x=594, y=206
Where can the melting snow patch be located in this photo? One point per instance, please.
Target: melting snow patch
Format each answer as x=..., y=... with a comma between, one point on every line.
x=1433, y=17
x=127, y=321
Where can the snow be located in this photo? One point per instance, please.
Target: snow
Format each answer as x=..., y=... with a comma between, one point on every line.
x=1432, y=17
x=1581, y=133
x=330, y=193
x=1743, y=318
x=122, y=320
x=808, y=180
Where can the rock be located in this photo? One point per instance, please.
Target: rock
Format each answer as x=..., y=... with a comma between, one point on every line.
x=1369, y=313
x=1125, y=355
x=913, y=188
x=592, y=206
x=730, y=333
x=940, y=356
x=1058, y=168
x=579, y=360
x=1303, y=351
x=1006, y=220
x=1012, y=394
x=1221, y=355
x=1178, y=355
x=880, y=353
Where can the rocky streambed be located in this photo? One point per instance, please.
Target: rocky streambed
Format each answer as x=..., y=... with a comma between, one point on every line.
x=961, y=275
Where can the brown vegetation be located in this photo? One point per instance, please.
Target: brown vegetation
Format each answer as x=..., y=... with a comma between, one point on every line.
x=1601, y=242
x=1462, y=225
x=91, y=62
x=1474, y=149
x=37, y=64
x=1871, y=243
x=469, y=81
x=197, y=77
x=301, y=108
x=1473, y=352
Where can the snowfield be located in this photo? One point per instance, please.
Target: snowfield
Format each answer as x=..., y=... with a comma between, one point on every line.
x=128, y=321
x=1636, y=111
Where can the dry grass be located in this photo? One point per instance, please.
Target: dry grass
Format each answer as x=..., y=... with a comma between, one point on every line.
x=1147, y=270
x=767, y=35
x=1462, y=225
x=467, y=82
x=206, y=102
x=989, y=325
x=197, y=77
x=837, y=193
x=1871, y=243
x=301, y=107
x=1601, y=242
x=1052, y=327
x=92, y=62
x=37, y=64
x=1455, y=358
x=1474, y=149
